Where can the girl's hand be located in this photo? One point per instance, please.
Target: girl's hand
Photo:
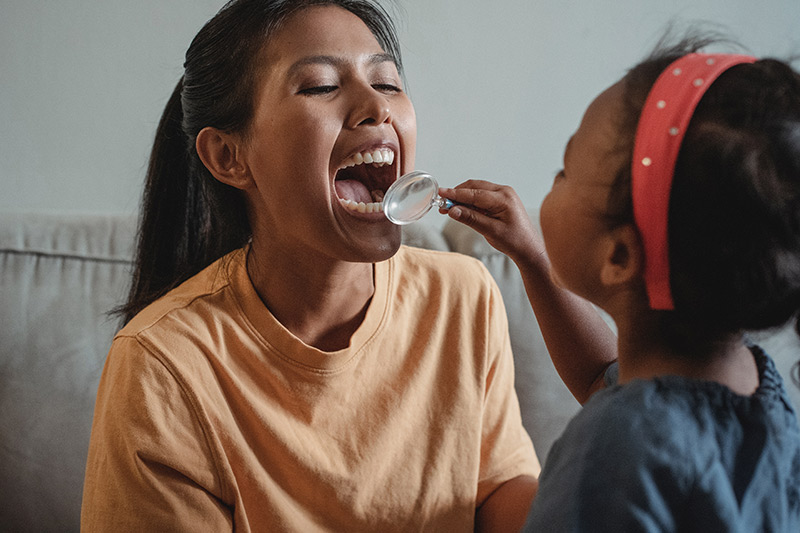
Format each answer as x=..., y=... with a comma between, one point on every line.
x=497, y=213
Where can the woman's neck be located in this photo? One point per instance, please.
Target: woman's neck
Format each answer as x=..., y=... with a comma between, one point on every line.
x=322, y=302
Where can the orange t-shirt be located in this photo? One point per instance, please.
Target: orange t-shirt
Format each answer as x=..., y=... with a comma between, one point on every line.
x=212, y=416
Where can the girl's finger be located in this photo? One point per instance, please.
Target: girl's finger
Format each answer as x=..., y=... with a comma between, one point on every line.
x=479, y=184
x=472, y=218
x=485, y=199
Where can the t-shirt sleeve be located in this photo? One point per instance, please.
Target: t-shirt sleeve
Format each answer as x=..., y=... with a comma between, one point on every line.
x=506, y=448
x=150, y=465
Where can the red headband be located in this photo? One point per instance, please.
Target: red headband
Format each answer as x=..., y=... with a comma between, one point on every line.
x=665, y=116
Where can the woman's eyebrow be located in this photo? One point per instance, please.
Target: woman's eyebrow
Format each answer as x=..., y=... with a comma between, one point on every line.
x=314, y=60
x=334, y=61
x=375, y=59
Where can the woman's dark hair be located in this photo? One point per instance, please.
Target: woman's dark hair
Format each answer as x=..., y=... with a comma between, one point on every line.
x=188, y=218
x=734, y=215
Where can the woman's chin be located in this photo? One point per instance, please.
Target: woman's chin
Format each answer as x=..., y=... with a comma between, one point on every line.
x=381, y=245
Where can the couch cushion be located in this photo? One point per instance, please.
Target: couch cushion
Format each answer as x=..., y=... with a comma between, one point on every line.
x=59, y=277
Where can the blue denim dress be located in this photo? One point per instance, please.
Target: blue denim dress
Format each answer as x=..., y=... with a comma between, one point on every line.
x=676, y=454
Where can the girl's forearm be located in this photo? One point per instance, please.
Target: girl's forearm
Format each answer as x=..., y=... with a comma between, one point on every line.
x=580, y=342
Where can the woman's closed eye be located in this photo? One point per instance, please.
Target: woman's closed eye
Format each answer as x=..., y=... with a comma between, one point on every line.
x=318, y=89
x=387, y=87
x=327, y=89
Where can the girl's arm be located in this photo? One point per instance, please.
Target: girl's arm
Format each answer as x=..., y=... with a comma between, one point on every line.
x=579, y=341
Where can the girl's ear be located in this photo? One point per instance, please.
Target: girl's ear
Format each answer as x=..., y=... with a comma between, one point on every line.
x=624, y=258
x=221, y=153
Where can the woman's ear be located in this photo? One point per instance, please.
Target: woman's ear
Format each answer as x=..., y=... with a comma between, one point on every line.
x=221, y=153
x=624, y=258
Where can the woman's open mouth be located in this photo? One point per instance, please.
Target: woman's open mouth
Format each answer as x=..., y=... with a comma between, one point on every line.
x=363, y=179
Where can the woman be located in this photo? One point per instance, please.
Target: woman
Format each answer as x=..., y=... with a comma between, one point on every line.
x=286, y=364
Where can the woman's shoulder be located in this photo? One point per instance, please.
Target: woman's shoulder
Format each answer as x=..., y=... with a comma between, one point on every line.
x=178, y=305
x=448, y=276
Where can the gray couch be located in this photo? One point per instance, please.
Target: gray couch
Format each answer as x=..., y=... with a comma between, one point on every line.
x=59, y=275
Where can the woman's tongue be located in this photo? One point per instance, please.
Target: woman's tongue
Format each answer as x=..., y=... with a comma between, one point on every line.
x=353, y=190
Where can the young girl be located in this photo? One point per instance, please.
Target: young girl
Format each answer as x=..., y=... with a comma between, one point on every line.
x=678, y=213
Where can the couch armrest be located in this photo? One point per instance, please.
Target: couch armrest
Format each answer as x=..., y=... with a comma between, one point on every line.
x=59, y=277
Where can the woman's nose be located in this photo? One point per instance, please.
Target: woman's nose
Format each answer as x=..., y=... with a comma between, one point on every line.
x=369, y=107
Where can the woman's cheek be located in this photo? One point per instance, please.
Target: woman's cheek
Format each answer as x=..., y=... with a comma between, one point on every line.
x=404, y=121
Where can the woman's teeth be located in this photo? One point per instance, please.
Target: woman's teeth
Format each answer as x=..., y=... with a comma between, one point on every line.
x=378, y=157
x=361, y=207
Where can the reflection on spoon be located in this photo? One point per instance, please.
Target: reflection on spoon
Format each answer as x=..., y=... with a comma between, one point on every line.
x=411, y=197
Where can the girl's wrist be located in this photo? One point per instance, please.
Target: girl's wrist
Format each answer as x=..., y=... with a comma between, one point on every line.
x=532, y=259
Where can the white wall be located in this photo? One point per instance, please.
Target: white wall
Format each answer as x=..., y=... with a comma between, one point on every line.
x=498, y=85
